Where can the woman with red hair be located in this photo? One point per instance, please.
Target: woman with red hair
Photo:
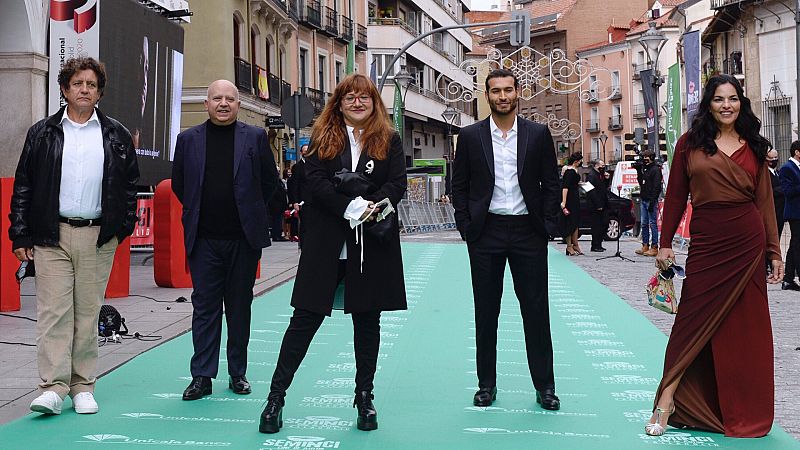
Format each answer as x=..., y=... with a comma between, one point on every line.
x=352, y=136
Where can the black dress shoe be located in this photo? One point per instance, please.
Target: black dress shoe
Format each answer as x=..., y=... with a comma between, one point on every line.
x=239, y=385
x=485, y=396
x=548, y=399
x=598, y=249
x=272, y=416
x=367, y=416
x=790, y=286
x=198, y=388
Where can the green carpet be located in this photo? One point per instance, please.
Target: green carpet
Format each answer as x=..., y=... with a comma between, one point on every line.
x=608, y=360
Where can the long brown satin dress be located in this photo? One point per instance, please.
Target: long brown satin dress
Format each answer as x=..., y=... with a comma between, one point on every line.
x=721, y=341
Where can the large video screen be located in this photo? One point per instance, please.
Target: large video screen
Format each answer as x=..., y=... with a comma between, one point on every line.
x=143, y=54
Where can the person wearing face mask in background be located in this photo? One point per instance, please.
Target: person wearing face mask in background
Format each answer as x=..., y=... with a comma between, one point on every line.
x=598, y=201
x=789, y=175
x=648, y=174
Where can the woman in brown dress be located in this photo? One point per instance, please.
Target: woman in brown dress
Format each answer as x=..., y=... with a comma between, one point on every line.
x=718, y=368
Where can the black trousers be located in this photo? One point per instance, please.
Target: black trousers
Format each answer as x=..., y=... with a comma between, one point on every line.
x=599, y=228
x=512, y=239
x=223, y=273
x=793, y=253
x=304, y=325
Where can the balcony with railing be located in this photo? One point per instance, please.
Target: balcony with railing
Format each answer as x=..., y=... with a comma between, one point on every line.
x=638, y=68
x=274, y=84
x=616, y=93
x=292, y=8
x=286, y=91
x=639, y=111
x=361, y=37
x=615, y=122
x=243, y=75
x=317, y=97
x=310, y=14
x=592, y=97
x=719, y=4
x=330, y=25
x=593, y=126
x=718, y=64
x=346, y=29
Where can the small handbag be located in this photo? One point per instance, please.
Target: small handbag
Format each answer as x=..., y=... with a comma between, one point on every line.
x=661, y=290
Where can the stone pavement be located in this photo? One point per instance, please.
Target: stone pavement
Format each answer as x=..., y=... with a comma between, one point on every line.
x=153, y=311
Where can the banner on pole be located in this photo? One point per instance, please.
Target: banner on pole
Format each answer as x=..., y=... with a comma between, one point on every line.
x=397, y=109
x=648, y=91
x=673, y=125
x=691, y=56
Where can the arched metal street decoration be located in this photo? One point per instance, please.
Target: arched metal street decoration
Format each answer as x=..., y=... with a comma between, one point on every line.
x=537, y=73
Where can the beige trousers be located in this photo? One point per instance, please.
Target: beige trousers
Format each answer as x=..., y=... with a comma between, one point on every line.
x=70, y=284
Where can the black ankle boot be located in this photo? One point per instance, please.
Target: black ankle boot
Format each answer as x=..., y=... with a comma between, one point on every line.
x=367, y=416
x=272, y=416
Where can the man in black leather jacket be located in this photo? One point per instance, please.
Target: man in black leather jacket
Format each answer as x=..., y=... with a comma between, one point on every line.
x=74, y=200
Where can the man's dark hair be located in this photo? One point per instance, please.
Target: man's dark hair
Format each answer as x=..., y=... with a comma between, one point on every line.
x=795, y=147
x=649, y=154
x=501, y=73
x=75, y=65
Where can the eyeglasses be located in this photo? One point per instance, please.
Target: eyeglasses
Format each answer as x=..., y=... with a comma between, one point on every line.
x=350, y=99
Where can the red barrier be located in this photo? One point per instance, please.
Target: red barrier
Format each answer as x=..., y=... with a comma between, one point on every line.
x=119, y=282
x=169, y=254
x=143, y=232
x=9, y=288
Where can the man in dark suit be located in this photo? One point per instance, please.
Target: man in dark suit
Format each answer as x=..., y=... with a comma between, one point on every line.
x=224, y=174
x=505, y=185
x=598, y=202
x=789, y=175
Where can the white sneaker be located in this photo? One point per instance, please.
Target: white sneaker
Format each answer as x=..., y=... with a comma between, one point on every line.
x=47, y=403
x=84, y=403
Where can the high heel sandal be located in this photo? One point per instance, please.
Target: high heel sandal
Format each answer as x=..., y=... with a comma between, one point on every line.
x=570, y=251
x=655, y=429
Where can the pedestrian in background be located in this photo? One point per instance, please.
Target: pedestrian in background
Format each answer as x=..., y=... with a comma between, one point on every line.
x=353, y=132
x=718, y=368
x=296, y=190
x=650, y=179
x=224, y=174
x=789, y=176
x=598, y=203
x=500, y=211
x=74, y=201
x=779, y=200
x=571, y=204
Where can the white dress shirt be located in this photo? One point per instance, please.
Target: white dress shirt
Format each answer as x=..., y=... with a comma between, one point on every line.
x=507, y=196
x=82, y=162
x=358, y=205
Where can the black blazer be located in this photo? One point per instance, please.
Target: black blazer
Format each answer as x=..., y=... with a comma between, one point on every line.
x=473, y=176
x=598, y=197
x=295, y=185
x=255, y=178
x=380, y=287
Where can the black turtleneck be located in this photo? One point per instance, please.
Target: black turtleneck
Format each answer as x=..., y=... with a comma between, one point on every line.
x=219, y=217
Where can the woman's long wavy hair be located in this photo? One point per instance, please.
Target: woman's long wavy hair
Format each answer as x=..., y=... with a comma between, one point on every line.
x=328, y=135
x=705, y=129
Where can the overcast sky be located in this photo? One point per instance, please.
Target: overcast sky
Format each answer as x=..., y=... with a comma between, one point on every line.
x=482, y=5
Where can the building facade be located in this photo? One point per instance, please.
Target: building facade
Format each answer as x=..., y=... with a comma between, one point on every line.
x=432, y=64
x=270, y=49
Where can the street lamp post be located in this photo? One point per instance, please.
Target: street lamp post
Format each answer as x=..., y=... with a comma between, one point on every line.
x=653, y=41
x=603, y=138
x=449, y=115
